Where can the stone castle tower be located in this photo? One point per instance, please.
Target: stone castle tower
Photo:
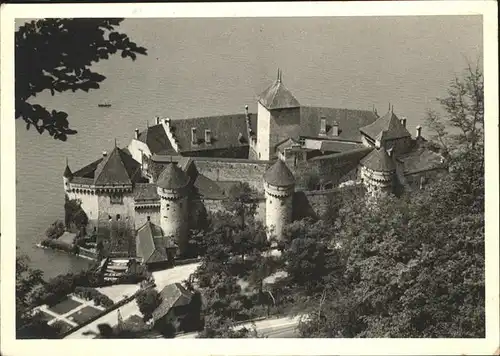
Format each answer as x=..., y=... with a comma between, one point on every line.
x=279, y=186
x=378, y=171
x=278, y=116
x=172, y=187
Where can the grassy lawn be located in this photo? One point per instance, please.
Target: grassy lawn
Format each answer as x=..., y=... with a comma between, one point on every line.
x=65, y=306
x=45, y=316
x=83, y=314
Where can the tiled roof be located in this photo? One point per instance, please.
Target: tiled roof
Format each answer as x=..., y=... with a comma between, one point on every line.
x=354, y=155
x=279, y=175
x=172, y=177
x=145, y=191
x=277, y=96
x=386, y=128
x=421, y=159
x=173, y=295
x=378, y=160
x=151, y=245
x=225, y=131
x=349, y=122
x=156, y=139
x=117, y=167
x=88, y=171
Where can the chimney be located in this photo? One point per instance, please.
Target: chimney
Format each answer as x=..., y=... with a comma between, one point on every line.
x=208, y=137
x=322, y=127
x=377, y=144
x=136, y=134
x=194, y=139
x=335, y=129
x=104, y=153
x=157, y=120
x=403, y=121
x=167, y=123
x=390, y=151
x=419, y=131
x=246, y=110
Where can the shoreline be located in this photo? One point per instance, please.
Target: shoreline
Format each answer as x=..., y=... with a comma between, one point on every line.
x=39, y=245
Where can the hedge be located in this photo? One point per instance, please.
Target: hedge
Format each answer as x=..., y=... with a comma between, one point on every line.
x=94, y=295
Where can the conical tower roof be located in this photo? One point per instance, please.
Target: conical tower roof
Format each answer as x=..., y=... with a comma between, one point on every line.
x=67, y=172
x=277, y=96
x=379, y=160
x=279, y=175
x=172, y=177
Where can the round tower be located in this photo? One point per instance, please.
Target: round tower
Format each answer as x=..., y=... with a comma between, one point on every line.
x=67, y=175
x=172, y=187
x=377, y=172
x=279, y=185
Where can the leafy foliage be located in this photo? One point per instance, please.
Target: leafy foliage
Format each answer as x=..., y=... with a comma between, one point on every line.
x=464, y=107
x=55, y=230
x=147, y=301
x=74, y=215
x=414, y=266
x=56, y=55
x=241, y=202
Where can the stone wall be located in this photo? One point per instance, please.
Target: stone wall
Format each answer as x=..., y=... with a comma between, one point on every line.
x=90, y=203
x=137, y=149
x=263, y=132
x=141, y=216
x=284, y=124
x=251, y=172
x=124, y=209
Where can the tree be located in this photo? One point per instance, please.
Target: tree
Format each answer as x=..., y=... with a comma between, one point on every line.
x=464, y=108
x=241, y=202
x=414, y=266
x=56, y=54
x=30, y=287
x=147, y=301
x=55, y=230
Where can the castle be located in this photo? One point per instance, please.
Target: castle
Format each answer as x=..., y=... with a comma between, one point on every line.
x=295, y=157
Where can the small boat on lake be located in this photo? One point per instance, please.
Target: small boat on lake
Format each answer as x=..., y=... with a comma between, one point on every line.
x=104, y=105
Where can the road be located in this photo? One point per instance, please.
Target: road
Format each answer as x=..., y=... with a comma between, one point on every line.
x=162, y=278
x=272, y=328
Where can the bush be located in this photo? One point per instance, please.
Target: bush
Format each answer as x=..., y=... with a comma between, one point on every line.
x=55, y=230
x=94, y=295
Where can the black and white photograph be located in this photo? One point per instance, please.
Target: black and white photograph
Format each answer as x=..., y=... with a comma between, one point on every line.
x=260, y=176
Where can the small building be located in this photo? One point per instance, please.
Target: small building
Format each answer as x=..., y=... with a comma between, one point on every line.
x=174, y=306
x=153, y=247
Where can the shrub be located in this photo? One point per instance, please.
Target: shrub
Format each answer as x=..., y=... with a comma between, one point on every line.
x=94, y=295
x=55, y=230
x=147, y=301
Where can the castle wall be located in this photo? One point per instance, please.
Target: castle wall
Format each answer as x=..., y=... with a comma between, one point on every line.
x=137, y=148
x=125, y=209
x=174, y=216
x=89, y=201
x=279, y=209
x=284, y=124
x=263, y=132
x=141, y=216
x=249, y=172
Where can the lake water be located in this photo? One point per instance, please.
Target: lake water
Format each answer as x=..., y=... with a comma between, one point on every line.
x=215, y=66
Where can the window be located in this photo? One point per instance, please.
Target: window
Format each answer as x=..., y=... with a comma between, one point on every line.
x=116, y=199
x=118, y=217
x=148, y=218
